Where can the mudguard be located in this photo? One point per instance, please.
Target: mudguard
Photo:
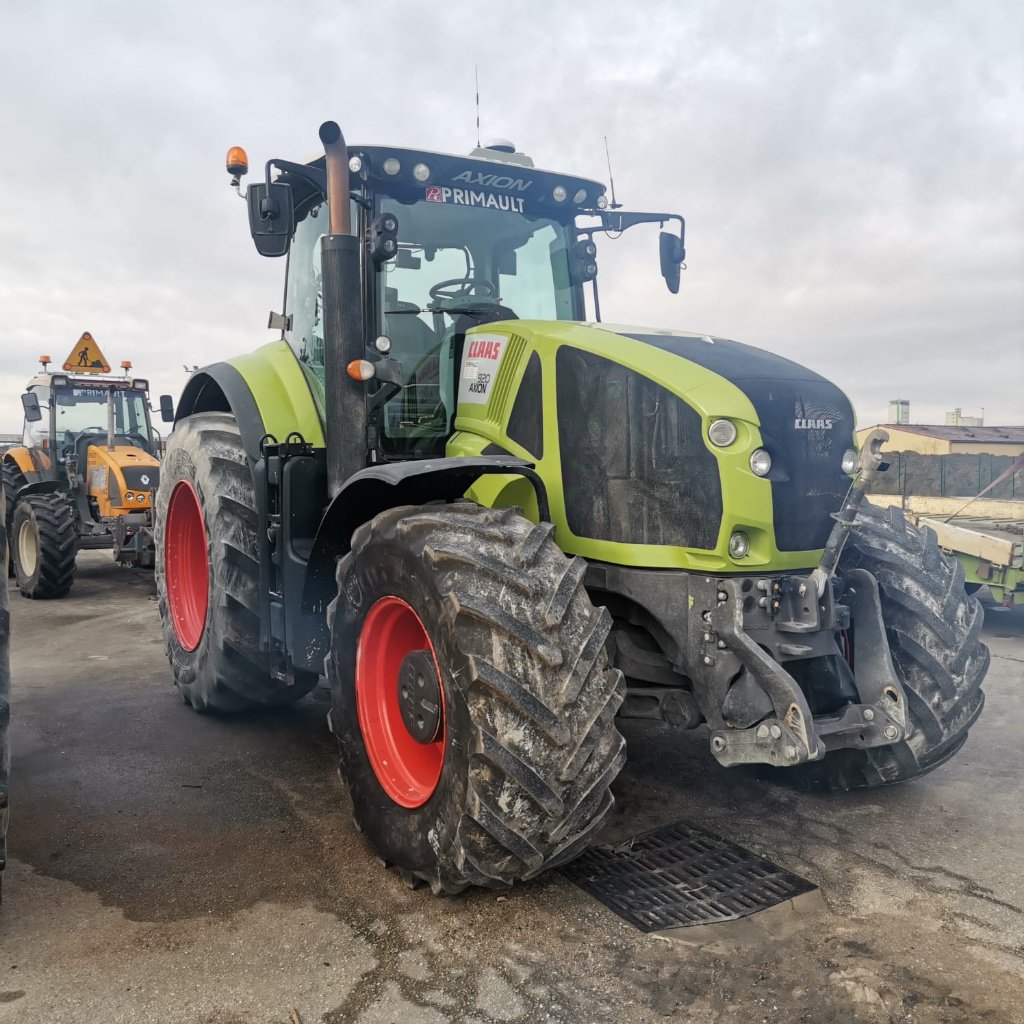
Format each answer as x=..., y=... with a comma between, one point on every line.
x=376, y=488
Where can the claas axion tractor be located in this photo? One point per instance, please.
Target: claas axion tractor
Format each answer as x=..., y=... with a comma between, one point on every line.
x=498, y=527
x=85, y=474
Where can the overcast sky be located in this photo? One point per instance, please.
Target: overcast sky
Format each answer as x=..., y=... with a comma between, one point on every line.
x=851, y=173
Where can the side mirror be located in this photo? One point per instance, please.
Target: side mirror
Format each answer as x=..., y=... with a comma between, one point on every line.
x=30, y=403
x=271, y=217
x=672, y=253
x=167, y=408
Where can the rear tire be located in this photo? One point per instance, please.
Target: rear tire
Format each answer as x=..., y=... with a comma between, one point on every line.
x=43, y=545
x=209, y=597
x=12, y=480
x=5, y=692
x=934, y=630
x=528, y=742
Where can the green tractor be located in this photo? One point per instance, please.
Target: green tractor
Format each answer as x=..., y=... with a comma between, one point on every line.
x=498, y=527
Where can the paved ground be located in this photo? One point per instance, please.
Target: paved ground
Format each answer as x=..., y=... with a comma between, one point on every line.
x=170, y=867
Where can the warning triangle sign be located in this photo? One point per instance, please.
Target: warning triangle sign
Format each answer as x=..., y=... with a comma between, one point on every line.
x=86, y=357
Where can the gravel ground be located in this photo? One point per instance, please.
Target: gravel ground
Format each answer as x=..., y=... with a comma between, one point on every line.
x=172, y=867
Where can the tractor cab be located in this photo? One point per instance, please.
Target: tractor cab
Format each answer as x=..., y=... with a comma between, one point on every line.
x=449, y=243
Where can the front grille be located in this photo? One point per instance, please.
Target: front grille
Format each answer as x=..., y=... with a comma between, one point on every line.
x=806, y=426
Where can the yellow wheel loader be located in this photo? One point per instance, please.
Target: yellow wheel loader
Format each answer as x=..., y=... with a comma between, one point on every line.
x=84, y=476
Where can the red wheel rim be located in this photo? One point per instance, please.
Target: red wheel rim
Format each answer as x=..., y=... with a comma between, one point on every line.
x=407, y=770
x=185, y=565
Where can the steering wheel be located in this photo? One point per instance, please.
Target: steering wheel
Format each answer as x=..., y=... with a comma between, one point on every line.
x=460, y=288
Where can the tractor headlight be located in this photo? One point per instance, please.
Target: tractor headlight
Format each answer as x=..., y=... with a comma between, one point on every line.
x=355, y=164
x=739, y=545
x=392, y=165
x=140, y=497
x=602, y=202
x=559, y=193
x=760, y=462
x=129, y=495
x=421, y=172
x=722, y=433
x=581, y=197
x=850, y=461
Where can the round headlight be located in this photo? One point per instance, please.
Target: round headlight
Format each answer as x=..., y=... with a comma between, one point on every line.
x=722, y=433
x=389, y=223
x=355, y=164
x=739, y=545
x=580, y=197
x=760, y=462
x=850, y=461
x=140, y=497
x=129, y=495
x=559, y=193
x=602, y=202
x=383, y=344
x=391, y=165
x=421, y=172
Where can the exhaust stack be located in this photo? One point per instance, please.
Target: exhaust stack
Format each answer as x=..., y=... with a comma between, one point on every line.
x=343, y=322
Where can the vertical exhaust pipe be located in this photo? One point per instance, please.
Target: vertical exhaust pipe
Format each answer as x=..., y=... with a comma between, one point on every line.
x=343, y=322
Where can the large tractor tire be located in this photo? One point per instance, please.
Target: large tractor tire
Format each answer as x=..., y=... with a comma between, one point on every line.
x=473, y=702
x=12, y=479
x=5, y=694
x=44, y=545
x=207, y=572
x=934, y=631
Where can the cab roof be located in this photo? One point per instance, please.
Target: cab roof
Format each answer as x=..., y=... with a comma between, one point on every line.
x=486, y=170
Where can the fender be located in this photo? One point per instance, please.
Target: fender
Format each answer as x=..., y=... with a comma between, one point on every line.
x=37, y=487
x=377, y=488
x=221, y=388
x=266, y=390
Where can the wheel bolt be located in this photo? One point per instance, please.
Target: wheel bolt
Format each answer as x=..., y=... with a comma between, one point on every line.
x=890, y=732
x=868, y=714
x=717, y=743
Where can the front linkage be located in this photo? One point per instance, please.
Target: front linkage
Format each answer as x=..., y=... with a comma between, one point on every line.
x=750, y=628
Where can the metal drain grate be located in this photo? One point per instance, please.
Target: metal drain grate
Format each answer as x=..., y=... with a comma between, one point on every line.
x=679, y=875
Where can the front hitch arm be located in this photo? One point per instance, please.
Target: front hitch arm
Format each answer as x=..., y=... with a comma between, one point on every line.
x=870, y=461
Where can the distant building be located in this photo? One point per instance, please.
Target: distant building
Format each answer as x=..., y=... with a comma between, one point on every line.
x=950, y=440
x=957, y=419
x=899, y=411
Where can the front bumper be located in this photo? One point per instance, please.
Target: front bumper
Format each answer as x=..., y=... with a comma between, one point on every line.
x=757, y=627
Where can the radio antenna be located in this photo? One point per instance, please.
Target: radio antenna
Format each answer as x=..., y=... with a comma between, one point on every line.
x=476, y=76
x=611, y=180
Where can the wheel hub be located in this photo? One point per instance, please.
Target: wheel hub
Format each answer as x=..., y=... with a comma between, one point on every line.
x=419, y=696
x=28, y=547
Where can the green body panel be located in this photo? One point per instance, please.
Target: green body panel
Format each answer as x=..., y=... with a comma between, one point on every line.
x=746, y=498
x=288, y=396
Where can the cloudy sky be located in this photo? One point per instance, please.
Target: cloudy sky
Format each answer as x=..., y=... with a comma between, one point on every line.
x=852, y=174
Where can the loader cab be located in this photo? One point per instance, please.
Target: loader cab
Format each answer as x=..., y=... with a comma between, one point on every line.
x=76, y=413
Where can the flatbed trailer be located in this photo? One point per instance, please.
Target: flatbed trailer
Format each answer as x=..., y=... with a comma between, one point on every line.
x=989, y=543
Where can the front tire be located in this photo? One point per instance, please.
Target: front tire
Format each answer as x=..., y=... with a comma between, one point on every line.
x=513, y=776
x=934, y=631
x=43, y=546
x=207, y=572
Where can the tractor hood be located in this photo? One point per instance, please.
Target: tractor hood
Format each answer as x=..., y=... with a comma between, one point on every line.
x=806, y=425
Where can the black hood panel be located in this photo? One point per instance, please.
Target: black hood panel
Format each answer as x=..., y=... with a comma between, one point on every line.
x=806, y=424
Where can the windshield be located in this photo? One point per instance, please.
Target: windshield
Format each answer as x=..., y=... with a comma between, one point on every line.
x=456, y=267
x=84, y=408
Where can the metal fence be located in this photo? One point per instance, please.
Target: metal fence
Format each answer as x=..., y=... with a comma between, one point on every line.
x=949, y=476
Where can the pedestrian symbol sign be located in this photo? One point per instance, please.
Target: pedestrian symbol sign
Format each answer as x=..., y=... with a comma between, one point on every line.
x=86, y=357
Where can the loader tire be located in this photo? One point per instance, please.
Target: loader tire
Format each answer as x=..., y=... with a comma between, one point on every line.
x=207, y=572
x=934, y=630
x=490, y=619
x=44, y=545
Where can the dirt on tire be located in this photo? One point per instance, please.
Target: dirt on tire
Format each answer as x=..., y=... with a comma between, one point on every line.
x=529, y=698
